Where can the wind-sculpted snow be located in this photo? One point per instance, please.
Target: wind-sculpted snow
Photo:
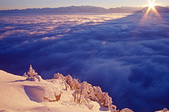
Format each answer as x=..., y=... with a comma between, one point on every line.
x=124, y=56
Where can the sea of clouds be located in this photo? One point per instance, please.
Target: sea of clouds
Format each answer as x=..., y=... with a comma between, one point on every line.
x=126, y=55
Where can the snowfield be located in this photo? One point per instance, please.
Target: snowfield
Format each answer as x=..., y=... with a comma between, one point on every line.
x=124, y=54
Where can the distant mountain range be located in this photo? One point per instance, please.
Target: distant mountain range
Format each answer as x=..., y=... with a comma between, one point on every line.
x=83, y=9
x=75, y=9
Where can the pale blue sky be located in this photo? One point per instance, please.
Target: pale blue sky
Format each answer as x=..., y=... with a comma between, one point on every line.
x=21, y=4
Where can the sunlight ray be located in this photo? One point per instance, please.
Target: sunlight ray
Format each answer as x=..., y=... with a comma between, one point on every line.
x=150, y=10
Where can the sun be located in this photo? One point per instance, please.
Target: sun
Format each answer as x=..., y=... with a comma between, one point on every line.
x=151, y=4
x=150, y=12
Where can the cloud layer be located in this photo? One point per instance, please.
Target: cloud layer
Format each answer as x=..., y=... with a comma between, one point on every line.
x=129, y=60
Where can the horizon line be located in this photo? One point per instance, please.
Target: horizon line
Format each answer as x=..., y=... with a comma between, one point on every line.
x=77, y=6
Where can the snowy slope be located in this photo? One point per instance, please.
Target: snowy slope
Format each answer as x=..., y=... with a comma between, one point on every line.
x=20, y=95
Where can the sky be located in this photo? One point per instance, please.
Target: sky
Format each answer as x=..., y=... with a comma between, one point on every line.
x=22, y=4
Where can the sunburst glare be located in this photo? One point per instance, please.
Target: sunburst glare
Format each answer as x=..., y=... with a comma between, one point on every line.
x=151, y=9
x=151, y=4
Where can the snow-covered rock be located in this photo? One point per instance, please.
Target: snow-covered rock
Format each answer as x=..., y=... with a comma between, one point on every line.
x=164, y=110
x=126, y=110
